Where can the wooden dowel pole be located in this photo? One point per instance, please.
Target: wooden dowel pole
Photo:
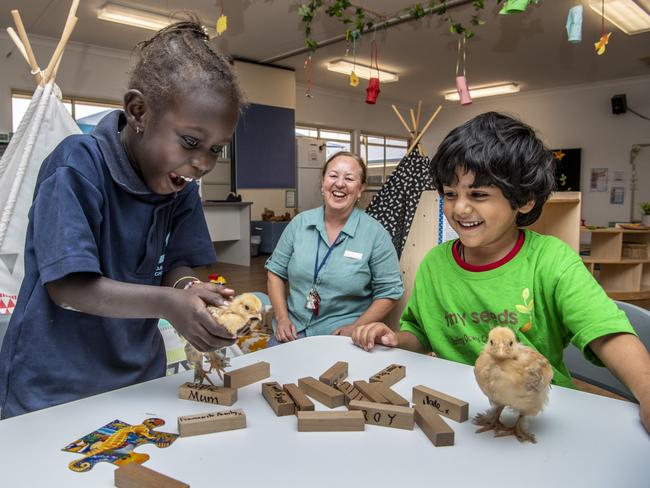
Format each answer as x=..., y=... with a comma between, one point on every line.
x=28, y=47
x=399, y=116
x=415, y=125
x=419, y=136
x=417, y=119
x=69, y=27
x=18, y=43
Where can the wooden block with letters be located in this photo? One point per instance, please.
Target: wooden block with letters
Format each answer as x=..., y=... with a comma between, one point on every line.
x=134, y=475
x=370, y=392
x=350, y=392
x=216, y=395
x=441, y=403
x=208, y=423
x=392, y=396
x=247, y=375
x=389, y=375
x=299, y=397
x=436, y=429
x=336, y=421
x=321, y=392
x=278, y=399
x=385, y=415
x=334, y=375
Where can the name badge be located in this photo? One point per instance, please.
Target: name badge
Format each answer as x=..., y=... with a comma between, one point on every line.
x=353, y=255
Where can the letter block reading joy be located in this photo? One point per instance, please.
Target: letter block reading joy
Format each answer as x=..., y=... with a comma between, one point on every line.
x=134, y=475
x=436, y=429
x=369, y=391
x=446, y=405
x=393, y=397
x=335, y=421
x=321, y=392
x=247, y=375
x=350, y=392
x=335, y=374
x=207, y=423
x=216, y=395
x=299, y=397
x=389, y=375
x=385, y=415
x=278, y=399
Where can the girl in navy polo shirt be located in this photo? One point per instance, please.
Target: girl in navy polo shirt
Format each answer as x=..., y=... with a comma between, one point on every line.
x=115, y=225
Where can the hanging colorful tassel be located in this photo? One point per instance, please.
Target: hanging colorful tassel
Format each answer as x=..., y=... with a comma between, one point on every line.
x=308, y=69
x=574, y=24
x=222, y=22
x=601, y=44
x=372, y=92
x=461, y=81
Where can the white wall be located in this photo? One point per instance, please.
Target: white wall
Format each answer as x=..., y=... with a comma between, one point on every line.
x=577, y=117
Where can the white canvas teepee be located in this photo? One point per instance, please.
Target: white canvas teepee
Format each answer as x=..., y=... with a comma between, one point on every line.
x=45, y=124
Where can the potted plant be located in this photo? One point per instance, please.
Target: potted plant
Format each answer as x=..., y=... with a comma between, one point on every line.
x=645, y=209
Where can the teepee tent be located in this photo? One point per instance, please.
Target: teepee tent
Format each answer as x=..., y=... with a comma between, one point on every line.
x=45, y=124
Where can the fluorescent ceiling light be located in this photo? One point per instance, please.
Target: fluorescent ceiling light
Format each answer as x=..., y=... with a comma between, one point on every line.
x=485, y=91
x=631, y=16
x=365, y=72
x=134, y=17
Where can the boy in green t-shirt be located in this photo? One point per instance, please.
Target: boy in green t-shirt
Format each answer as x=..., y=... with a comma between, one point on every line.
x=495, y=175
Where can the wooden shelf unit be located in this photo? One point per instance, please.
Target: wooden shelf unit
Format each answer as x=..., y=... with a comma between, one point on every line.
x=561, y=218
x=621, y=277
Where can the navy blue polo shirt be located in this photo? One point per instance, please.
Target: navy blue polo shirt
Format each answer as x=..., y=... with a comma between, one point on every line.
x=92, y=213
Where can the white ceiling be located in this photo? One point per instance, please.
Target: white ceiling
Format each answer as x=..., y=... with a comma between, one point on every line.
x=530, y=49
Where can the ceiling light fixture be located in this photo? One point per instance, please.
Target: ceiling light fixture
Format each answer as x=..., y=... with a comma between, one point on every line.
x=631, y=16
x=134, y=17
x=365, y=72
x=485, y=91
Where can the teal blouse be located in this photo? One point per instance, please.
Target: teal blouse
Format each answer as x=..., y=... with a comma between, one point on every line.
x=361, y=267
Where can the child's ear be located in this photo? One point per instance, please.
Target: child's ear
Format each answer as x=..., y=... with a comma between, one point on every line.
x=527, y=207
x=135, y=108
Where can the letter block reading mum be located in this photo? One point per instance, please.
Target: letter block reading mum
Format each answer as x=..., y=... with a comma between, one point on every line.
x=385, y=415
x=446, y=405
x=247, y=375
x=216, y=395
x=208, y=423
x=278, y=399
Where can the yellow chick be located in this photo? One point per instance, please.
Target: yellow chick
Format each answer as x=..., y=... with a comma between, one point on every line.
x=511, y=375
x=236, y=316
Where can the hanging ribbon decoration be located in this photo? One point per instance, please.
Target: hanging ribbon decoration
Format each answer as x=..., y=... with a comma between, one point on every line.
x=222, y=22
x=372, y=92
x=354, y=79
x=601, y=45
x=461, y=81
x=308, y=70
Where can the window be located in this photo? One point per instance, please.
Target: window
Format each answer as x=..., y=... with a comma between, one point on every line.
x=87, y=113
x=382, y=154
x=335, y=140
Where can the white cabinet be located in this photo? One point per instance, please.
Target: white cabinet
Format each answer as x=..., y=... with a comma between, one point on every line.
x=310, y=159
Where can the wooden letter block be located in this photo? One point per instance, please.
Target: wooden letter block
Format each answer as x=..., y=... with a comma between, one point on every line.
x=280, y=401
x=446, y=405
x=389, y=375
x=299, y=398
x=321, y=392
x=337, y=421
x=385, y=415
x=436, y=429
x=335, y=374
x=369, y=391
x=216, y=395
x=247, y=375
x=207, y=423
x=350, y=392
x=393, y=397
x=134, y=475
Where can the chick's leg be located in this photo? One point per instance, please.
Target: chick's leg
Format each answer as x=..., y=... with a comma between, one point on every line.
x=490, y=420
x=218, y=361
x=519, y=430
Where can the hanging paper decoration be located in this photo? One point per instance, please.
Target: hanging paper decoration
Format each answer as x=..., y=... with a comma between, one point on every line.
x=222, y=22
x=516, y=6
x=308, y=74
x=354, y=79
x=461, y=81
x=601, y=44
x=574, y=24
x=372, y=92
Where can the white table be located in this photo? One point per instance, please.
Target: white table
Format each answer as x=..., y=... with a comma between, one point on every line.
x=583, y=440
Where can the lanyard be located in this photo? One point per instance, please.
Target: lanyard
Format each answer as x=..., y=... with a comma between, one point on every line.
x=318, y=267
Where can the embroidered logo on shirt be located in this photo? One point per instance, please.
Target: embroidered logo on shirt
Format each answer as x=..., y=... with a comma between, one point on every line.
x=161, y=260
x=353, y=255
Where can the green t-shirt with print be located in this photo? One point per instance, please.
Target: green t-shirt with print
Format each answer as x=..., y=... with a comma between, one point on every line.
x=545, y=294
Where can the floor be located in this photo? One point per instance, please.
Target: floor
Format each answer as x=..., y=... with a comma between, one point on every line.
x=244, y=279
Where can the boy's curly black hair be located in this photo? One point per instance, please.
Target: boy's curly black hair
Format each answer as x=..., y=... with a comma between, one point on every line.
x=501, y=151
x=179, y=59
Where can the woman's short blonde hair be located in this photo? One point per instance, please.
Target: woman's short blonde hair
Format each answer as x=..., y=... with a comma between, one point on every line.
x=348, y=154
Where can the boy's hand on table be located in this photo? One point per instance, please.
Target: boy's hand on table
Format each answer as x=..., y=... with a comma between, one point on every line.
x=186, y=310
x=346, y=330
x=366, y=336
x=285, y=331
